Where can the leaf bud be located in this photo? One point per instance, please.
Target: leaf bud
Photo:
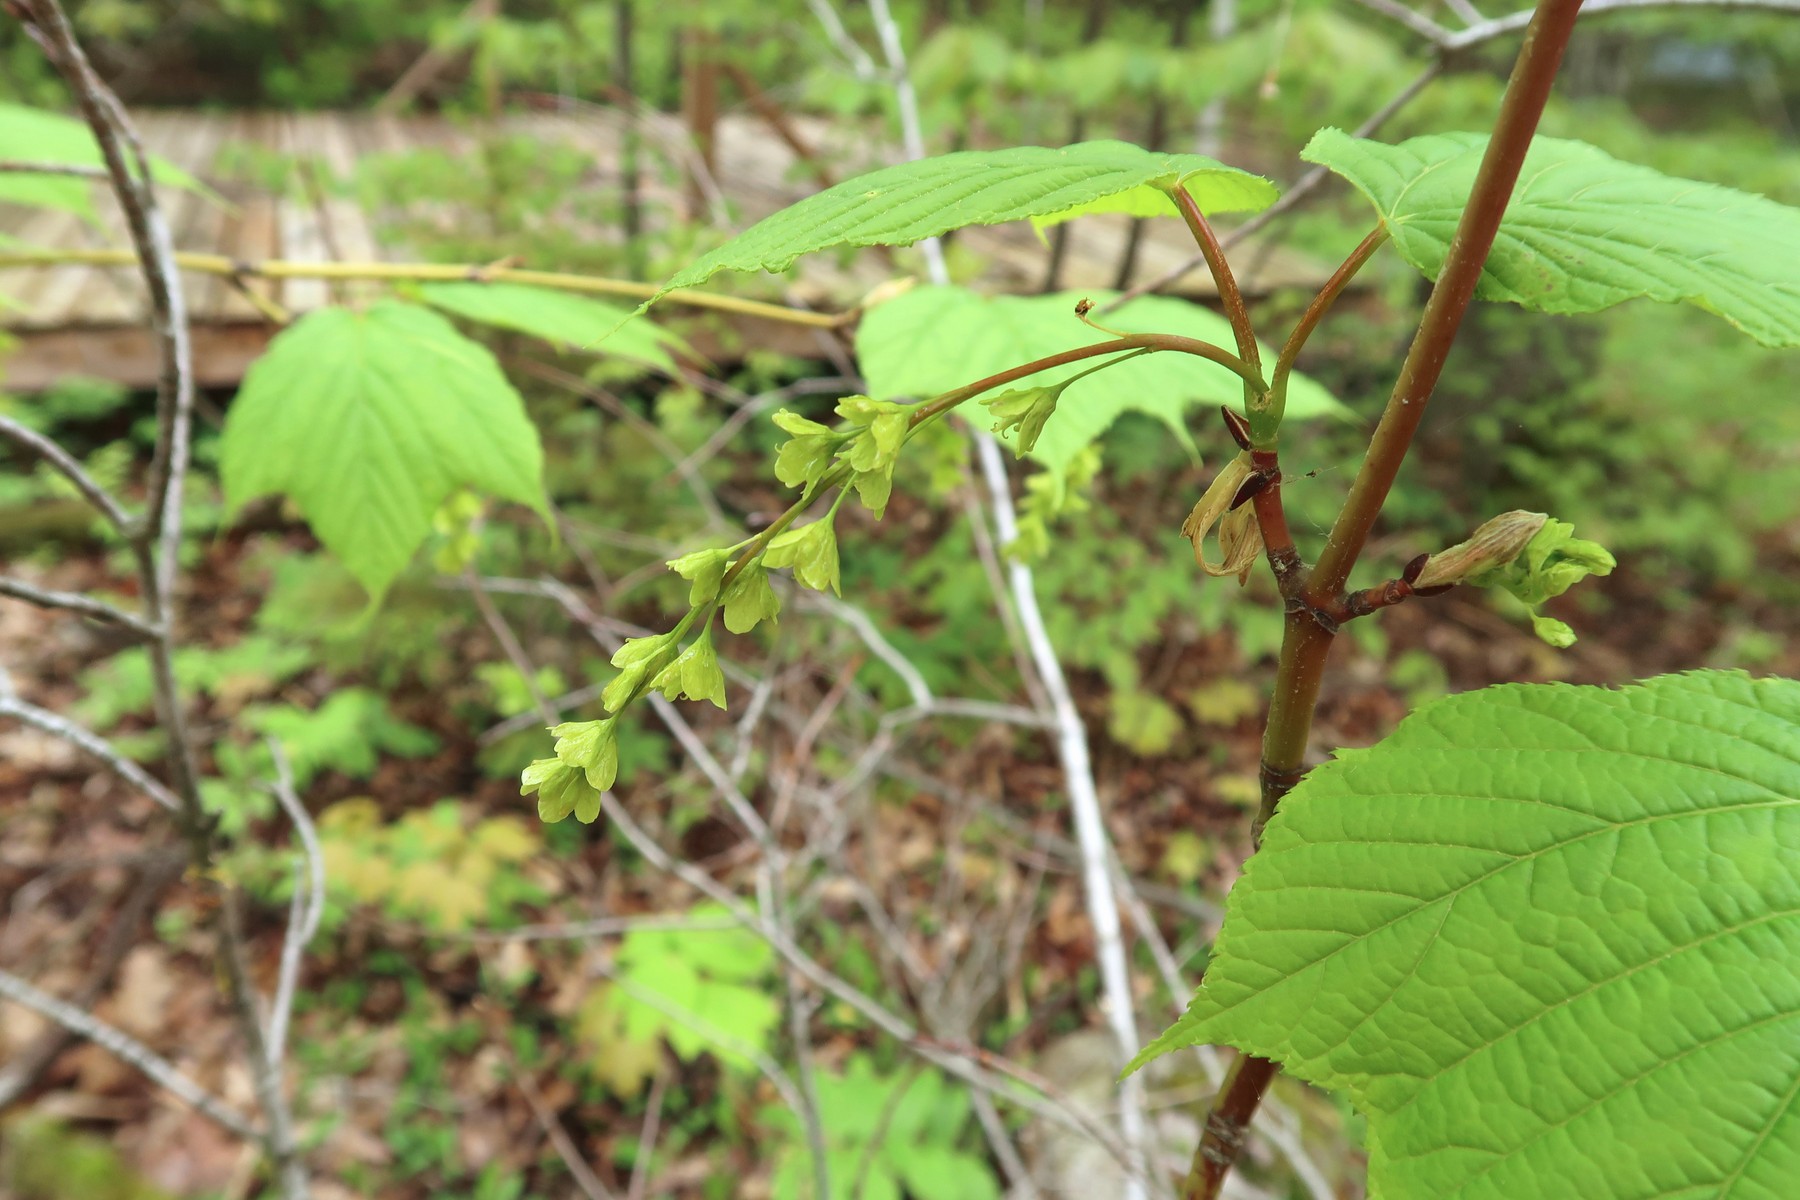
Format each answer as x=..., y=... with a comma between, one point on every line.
x=1489, y=548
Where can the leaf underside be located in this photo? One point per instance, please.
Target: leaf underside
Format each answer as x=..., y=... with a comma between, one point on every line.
x=1549, y=939
x=900, y=205
x=36, y=136
x=575, y=322
x=934, y=339
x=1585, y=231
x=368, y=421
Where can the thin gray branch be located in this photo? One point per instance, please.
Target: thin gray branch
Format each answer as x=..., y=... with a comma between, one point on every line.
x=597, y=927
x=1500, y=27
x=1418, y=22
x=93, y=743
x=590, y=1184
x=859, y=621
x=1290, y=199
x=646, y=1147
x=265, y=1070
x=75, y=602
x=74, y=472
x=1071, y=735
x=16, y=166
x=129, y=168
x=858, y=58
x=1446, y=44
x=160, y=1070
x=1469, y=14
x=307, y=909
x=958, y=1065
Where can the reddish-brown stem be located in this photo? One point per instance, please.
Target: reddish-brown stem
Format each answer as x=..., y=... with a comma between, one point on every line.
x=1526, y=94
x=1229, y=296
x=1250, y=373
x=1271, y=519
x=1226, y=1126
x=1307, y=639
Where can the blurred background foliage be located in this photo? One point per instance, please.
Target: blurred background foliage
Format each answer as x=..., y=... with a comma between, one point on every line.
x=1656, y=431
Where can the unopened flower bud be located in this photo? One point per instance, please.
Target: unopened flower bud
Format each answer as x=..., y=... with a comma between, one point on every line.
x=1489, y=548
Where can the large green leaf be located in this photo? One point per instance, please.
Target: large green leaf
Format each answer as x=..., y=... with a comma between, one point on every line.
x=1585, y=231
x=369, y=421
x=576, y=322
x=934, y=339
x=1549, y=938
x=899, y=205
x=34, y=135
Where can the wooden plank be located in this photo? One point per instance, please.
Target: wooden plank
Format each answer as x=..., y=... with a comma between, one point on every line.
x=34, y=290
x=302, y=239
x=127, y=355
x=336, y=150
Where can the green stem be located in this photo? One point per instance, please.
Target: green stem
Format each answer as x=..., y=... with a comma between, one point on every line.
x=221, y=265
x=1306, y=643
x=1309, y=320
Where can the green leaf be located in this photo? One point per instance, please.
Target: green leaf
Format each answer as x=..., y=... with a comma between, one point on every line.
x=1026, y=410
x=872, y=452
x=935, y=339
x=715, y=976
x=811, y=550
x=561, y=790
x=34, y=135
x=899, y=205
x=1585, y=231
x=1545, y=936
x=807, y=453
x=749, y=599
x=562, y=318
x=348, y=732
x=638, y=660
x=694, y=674
x=704, y=569
x=368, y=421
x=1552, y=562
x=1142, y=722
x=591, y=747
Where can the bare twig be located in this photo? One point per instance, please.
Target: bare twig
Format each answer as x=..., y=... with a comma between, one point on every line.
x=1290, y=199
x=129, y=170
x=1418, y=22
x=1482, y=30
x=160, y=1070
x=1071, y=736
x=308, y=907
x=265, y=1070
x=65, y=465
x=156, y=543
x=646, y=1147
x=94, y=744
x=75, y=602
x=959, y=1065
x=591, y=1185
x=16, y=166
x=158, y=871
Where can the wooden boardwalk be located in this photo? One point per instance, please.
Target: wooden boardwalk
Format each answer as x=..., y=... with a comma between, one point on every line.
x=88, y=320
